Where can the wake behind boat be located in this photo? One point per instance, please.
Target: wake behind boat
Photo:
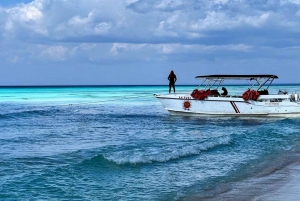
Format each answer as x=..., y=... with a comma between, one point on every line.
x=206, y=100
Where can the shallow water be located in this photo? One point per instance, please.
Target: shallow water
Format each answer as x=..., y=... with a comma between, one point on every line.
x=118, y=143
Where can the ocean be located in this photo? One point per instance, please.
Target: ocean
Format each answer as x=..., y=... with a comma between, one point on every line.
x=119, y=143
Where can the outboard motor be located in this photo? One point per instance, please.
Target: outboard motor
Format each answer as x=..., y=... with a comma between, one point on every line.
x=296, y=97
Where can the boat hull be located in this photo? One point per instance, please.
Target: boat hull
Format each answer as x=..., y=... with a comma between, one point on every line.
x=184, y=104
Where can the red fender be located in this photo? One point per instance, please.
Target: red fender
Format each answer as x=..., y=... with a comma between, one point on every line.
x=250, y=95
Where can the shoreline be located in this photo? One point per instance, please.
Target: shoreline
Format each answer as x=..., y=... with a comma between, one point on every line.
x=280, y=182
x=288, y=189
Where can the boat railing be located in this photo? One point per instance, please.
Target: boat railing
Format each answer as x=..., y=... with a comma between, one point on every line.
x=274, y=96
x=227, y=96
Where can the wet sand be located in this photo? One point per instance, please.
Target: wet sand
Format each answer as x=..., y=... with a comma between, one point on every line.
x=288, y=189
x=279, y=183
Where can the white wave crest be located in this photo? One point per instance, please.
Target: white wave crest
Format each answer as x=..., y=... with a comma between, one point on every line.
x=165, y=153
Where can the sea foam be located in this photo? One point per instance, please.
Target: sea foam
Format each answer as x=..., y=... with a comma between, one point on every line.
x=165, y=153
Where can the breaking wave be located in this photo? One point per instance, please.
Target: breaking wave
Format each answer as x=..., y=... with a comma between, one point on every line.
x=151, y=155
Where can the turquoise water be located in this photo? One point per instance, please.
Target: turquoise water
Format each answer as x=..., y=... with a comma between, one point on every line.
x=118, y=143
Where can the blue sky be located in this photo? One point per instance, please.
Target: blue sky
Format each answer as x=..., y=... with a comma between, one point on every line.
x=13, y=2
x=58, y=42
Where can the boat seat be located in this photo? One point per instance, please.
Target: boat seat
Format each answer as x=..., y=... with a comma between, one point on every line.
x=263, y=92
x=282, y=92
x=214, y=92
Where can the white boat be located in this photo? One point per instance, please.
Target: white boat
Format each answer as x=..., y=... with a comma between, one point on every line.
x=256, y=101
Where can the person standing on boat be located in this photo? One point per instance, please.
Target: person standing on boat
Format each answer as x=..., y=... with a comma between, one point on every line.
x=172, y=79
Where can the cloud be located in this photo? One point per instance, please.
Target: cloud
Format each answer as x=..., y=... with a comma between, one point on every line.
x=142, y=21
x=83, y=25
x=142, y=31
x=23, y=23
x=56, y=53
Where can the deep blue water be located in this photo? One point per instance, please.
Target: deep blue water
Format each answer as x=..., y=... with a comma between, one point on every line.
x=118, y=143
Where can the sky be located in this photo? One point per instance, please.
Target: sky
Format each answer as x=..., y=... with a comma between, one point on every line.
x=138, y=42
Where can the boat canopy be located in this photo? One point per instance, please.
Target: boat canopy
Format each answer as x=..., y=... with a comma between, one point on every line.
x=237, y=77
x=217, y=80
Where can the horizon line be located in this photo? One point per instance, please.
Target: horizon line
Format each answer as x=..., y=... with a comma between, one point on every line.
x=120, y=85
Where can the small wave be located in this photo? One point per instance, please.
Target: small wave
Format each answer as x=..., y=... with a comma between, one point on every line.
x=130, y=116
x=151, y=155
x=25, y=113
x=98, y=160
